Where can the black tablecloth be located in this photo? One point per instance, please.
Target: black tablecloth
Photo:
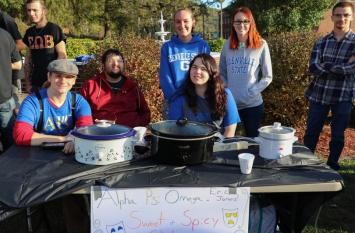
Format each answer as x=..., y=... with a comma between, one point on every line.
x=30, y=176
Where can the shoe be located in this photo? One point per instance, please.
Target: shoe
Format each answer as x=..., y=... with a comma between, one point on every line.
x=334, y=166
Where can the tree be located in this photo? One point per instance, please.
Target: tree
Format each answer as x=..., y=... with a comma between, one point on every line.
x=220, y=3
x=285, y=15
x=12, y=7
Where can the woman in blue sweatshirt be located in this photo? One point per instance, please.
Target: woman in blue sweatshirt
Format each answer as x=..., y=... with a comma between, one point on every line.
x=176, y=54
x=245, y=66
x=203, y=97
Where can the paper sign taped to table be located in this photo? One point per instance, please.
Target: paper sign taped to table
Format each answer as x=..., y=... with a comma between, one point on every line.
x=169, y=210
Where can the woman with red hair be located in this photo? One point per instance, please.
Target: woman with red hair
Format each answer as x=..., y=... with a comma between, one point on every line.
x=203, y=97
x=245, y=66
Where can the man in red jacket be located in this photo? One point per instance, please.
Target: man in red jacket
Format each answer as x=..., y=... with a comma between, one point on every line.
x=113, y=96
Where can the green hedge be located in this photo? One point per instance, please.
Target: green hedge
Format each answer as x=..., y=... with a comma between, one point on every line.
x=216, y=45
x=77, y=47
x=284, y=98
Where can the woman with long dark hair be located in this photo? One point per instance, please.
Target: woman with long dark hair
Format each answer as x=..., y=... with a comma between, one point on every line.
x=203, y=97
x=245, y=66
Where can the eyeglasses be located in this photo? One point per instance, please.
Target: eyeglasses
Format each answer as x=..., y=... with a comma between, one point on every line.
x=341, y=15
x=239, y=22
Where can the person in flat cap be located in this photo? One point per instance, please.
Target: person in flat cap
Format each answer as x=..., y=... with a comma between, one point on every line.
x=49, y=114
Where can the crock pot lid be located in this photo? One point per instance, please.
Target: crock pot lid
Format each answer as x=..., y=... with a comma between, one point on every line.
x=185, y=129
x=107, y=130
x=276, y=128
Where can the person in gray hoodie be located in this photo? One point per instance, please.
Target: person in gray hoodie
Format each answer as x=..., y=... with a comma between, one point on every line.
x=245, y=65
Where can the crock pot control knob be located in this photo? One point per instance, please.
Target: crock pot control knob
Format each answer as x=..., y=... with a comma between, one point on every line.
x=103, y=123
x=277, y=125
x=182, y=121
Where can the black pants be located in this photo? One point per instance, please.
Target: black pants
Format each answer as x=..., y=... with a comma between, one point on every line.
x=68, y=214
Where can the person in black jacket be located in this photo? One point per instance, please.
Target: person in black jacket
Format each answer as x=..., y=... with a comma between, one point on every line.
x=9, y=59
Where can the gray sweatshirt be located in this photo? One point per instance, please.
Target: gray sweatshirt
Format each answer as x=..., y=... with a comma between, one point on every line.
x=246, y=72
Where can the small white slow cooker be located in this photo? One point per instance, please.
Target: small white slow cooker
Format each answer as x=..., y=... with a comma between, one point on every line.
x=275, y=141
x=103, y=143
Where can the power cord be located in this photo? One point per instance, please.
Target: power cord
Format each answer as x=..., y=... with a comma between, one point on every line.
x=317, y=218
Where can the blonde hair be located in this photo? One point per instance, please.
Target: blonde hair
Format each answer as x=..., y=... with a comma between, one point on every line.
x=184, y=9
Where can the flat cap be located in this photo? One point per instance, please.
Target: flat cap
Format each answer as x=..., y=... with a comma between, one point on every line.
x=63, y=66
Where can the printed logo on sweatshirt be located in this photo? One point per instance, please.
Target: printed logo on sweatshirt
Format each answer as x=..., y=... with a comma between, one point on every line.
x=181, y=57
x=240, y=65
x=41, y=42
x=59, y=123
x=184, y=59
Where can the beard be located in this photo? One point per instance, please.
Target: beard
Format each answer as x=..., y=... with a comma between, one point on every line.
x=115, y=75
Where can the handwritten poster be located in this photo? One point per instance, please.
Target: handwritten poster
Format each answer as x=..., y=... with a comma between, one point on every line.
x=170, y=210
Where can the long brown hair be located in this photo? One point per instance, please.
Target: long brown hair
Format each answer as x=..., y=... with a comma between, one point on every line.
x=215, y=93
x=254, y=39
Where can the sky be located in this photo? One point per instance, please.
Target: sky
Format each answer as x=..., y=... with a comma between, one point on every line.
x=225, y=4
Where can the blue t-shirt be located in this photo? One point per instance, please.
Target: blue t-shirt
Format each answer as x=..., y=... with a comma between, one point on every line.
x=179, y=108
x=56, y=120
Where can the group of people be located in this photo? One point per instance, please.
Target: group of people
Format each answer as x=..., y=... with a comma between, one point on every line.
x=194, y=87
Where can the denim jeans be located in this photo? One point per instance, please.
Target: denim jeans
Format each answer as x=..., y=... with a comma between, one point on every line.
x=252, y=118
x=7, y=120
x=317, y=115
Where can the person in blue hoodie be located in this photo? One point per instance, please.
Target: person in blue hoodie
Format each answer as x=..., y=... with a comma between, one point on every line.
x=176, y=54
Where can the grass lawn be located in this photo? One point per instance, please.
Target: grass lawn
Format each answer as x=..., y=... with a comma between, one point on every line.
x=338, y=214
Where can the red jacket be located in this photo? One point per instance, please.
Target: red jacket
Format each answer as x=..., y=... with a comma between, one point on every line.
x=126, y=107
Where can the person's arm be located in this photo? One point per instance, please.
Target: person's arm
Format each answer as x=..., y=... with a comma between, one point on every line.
x=206, y=48
x=229, y=131
x=143, y=111
x=346, y=68
x=223, y=63
x=266, y=71
x=61, y=50
x=231, y=118
x=82, y=112
x=16, y=65
x=25, y=135
x=20, y=45
x=12, y=28
x=316, y=66
x=38, y=138
x=28, y=70
x=165, y=74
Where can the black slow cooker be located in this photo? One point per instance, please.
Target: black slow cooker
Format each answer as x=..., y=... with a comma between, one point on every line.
x=182, y=142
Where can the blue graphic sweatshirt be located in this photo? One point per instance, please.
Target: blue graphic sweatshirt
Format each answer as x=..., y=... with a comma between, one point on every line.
x=175, y=57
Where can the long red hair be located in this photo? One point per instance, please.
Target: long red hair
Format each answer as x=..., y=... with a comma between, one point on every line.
x=254, y=39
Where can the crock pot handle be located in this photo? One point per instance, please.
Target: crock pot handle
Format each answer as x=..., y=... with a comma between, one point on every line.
x=218, y=137
x=182, y=121
x=257, y=139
